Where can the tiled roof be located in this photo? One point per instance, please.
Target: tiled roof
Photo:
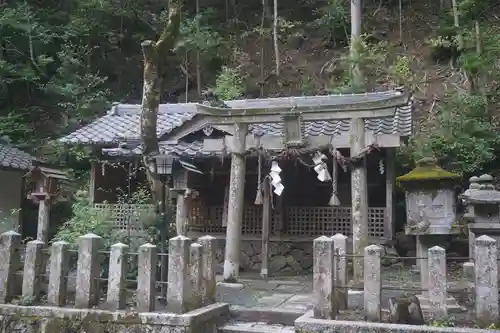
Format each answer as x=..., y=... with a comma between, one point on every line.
x=400, y=124
x=185, y=149
x=11, y=157
x=123, y=121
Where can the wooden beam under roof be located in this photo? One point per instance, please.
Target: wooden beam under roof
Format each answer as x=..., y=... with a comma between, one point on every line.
x=275, y=143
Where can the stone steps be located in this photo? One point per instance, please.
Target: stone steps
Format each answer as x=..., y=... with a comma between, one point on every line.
x=271, y=316
x=254, y=327
x=260, y=320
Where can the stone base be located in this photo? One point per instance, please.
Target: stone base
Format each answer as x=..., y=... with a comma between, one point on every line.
x=232, y=285
x=451, y=304
x=284, y=257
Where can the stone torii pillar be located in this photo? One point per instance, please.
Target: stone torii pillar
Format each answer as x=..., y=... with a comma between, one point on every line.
x=235, y=205
x=359, y=199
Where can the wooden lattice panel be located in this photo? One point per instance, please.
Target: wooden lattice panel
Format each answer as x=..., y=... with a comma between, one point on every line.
x=252, y=220
x=128, y=217
x=376, y=219
x=302, y=221
x=314, y=221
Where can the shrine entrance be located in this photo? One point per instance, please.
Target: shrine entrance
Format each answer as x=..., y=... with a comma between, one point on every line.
x=322, y=153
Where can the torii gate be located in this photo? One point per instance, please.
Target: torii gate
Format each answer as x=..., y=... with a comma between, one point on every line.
x=356, y=107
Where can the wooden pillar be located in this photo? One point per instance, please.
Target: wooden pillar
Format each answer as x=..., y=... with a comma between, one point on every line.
x=235, y=204
x=266, y=227
x=92, y=185
x=42, y=232
x=181, y=213
x=389, y=190
x=359, y=199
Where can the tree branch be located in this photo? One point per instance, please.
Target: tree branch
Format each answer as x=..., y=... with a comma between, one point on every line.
x=171, y=31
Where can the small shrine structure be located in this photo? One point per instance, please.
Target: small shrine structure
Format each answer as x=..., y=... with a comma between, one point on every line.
x=45, y=187
x=271, y=174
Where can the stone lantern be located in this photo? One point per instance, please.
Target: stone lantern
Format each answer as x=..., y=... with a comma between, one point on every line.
x=45, y=187
x=430, y=199
x=430, y=213
x=482, y=201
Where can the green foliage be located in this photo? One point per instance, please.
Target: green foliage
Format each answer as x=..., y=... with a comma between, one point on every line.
x=334, y=21
x=449, y=322
x=378, y=62
x=43, y=65
x=462, y=136
x=198, y=34
x=8, y=221
x=229, y=84
x=86, y=219
x=494, y=327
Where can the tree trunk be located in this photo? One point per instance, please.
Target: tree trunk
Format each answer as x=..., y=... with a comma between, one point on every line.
x=154, y=53
x=275, y=35
x=456, y=22
x=401, y=21
x=357, y=77
x=198, y=71
x=262, y=25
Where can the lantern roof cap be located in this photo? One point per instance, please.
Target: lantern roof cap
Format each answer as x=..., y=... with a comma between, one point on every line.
x=481, y=191
x=427, y=170
x=46, y=171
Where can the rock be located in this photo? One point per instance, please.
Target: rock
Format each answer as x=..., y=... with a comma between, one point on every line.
x=405, y=310
x=404, y=244
x=277, y=263
x=390, y=256
x=293, y=264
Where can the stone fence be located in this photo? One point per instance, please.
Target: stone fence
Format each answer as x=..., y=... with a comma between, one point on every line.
x=191, y=276
x=331, y=278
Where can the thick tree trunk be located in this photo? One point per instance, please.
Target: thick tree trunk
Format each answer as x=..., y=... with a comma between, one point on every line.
x=154, y=53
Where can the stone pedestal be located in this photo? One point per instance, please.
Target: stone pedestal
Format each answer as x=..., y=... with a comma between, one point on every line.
x=424, y=243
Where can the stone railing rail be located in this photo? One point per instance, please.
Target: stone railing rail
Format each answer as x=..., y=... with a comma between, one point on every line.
x=191, y=274
x=330, y=270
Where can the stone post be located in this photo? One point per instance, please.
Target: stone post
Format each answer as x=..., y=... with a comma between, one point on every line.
x=486, y=275
x=9, y=258
x=437, y=283
x=208, y=285
x=58, y=272
x=373, y=283
x=323, y=278
x=340, y=246
x=359, y=198
x=195, y=275
x=423, y=263
x=42, y=233
x=88, y=271
x=33, y=270
x=470, y=281
x=235, y=204
x=181, y=213
x=178, y=292
x=118, y=260
x=146, y=278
